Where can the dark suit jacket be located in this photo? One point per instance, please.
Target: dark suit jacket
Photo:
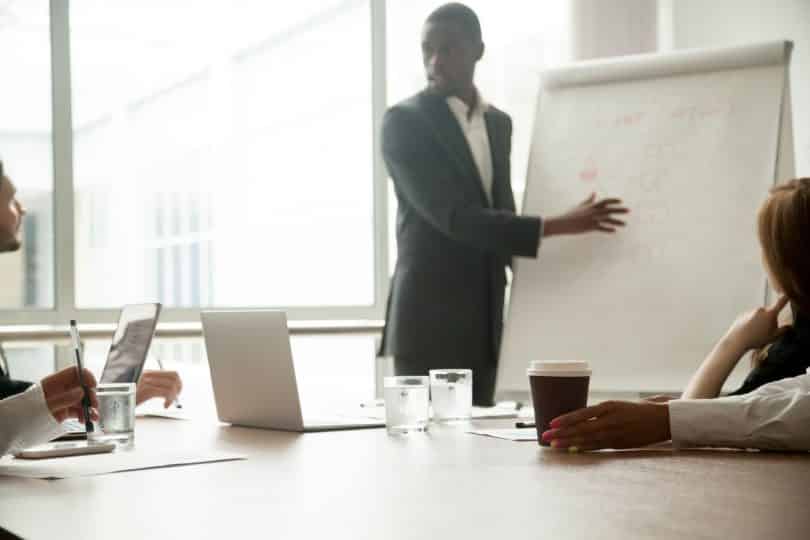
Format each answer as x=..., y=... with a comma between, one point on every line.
x=447, y=291
x=10, y=387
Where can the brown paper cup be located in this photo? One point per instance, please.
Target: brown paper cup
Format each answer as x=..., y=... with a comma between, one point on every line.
x=558, y=387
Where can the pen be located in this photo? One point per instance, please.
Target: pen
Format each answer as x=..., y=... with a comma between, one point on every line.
x=74, y=335
x=525, y=424
x=373, y=403
x=160, y=365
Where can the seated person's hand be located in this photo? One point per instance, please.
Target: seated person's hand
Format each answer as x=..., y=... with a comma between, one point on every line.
x=160, y=384
x=612, y=424
x=757, y=328
x=63, y=394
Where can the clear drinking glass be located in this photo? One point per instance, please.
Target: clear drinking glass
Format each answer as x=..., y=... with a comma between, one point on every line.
x=451, y=394
x=407, y=400
x=116, y=410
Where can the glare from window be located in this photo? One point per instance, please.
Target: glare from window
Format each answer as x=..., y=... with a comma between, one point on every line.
x=223, y=157
x=25, y=149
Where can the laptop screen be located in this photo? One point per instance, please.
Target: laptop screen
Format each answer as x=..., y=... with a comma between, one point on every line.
x=130, y=344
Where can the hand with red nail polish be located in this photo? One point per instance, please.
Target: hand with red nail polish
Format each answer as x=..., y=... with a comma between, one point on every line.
x=612, y=424
x=548, y=435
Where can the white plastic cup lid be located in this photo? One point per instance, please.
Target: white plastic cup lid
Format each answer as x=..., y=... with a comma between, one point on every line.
x=559, y=368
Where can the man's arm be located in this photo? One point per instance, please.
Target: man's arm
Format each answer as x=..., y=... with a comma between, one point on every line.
x=34, y=417
x=409, y=152
x=432, y=192
x=25, y=420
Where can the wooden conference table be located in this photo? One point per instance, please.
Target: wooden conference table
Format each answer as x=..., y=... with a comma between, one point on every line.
x=446, y=484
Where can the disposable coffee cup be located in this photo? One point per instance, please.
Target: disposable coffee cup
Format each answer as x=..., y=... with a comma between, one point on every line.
x=558, y=387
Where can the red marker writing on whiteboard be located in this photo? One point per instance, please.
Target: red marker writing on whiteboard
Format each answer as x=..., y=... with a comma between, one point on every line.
x=588, y=174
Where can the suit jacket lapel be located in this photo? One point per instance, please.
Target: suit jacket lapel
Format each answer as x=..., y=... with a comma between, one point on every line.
x=452, y=138
x=502, y=196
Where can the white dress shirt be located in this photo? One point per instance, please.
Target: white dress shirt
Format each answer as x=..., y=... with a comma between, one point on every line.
x=25, y=421
x=775, y=416
x=474, y=127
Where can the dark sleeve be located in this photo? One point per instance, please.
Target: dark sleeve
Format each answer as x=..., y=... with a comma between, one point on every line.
x=10, y=387
x=429, y=189
x=750, y=384
x=773, y=367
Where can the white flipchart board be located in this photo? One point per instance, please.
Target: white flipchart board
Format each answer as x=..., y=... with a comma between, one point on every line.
x=691, y=141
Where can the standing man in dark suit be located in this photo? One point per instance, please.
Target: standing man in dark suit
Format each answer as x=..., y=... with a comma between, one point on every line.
x=448, y=153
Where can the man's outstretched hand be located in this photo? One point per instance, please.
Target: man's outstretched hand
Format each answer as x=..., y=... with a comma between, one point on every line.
x=588, y=216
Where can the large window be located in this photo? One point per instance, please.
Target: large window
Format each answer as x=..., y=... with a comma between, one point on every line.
x=25, y=148
x=223, y=153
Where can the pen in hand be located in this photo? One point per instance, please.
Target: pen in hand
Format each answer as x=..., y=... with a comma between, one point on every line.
x=373, y=403
x=74, y=335
x=160, y=365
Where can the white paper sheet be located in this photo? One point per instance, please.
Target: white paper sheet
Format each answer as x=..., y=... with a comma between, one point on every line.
x=118, y=461
x=171, y=413
x=509, y=434
x=478, y=413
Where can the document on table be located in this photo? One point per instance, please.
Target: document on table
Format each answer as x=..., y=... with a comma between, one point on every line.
x=509, y=434
x=481, y=413
x=172, y=414
x=117, y=461
x=478, y=413
x=69, y=426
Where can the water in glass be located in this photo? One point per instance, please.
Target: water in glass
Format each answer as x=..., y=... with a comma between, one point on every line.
x=116, y=410
x=406, y=404
x=451, y=394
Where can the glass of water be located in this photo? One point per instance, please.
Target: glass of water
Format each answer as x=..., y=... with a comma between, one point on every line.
x=116, y=411
x=451, y=394
x=407, y=400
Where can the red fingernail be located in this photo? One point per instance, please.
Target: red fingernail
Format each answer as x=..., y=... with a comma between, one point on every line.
x=555, y=423
x=548, y=435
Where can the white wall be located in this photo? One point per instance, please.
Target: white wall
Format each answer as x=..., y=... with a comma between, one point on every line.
x=615, y=28
x=697, y=23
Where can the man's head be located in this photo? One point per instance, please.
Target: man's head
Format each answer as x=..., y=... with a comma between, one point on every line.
x=451, y=46
x=11, y=214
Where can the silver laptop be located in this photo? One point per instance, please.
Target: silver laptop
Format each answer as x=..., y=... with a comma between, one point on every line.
x=253, y=374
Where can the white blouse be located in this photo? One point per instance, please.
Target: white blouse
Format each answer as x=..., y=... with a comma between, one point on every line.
x=775, y=416
x=25, y=421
